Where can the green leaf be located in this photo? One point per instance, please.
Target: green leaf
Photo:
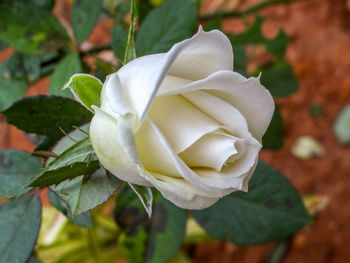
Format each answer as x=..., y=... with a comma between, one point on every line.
x=51, y=177
x=68, y=141
x=17, y=170
x=13, y=67
x=173, y=21
x=214, y=24
x=154, y=239
x=82, y=194
x=33, y=260
x=29, y=28
x=342, y=126
x=252, y=35
x=119, y=38
x=68, y=66
x=273, y=138
x=86, y=89
x=134, y=246
x=45, y=143
x=20, y=67
x=83, y=220
x=240, y=59
x=79, y=152
x=32, y=67
x=45, y=115
x=20, y=221
x=10, y=91
x=144, y=8
x=271, y=209
x=145, y=195
x=280, y=79
x=121, y=10
x=278, y=45
x=84, y=17
x=167, y=231
x=76, y=160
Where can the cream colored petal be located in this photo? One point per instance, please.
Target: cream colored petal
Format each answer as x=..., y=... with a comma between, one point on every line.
x=182, y=168
x=252, y=100
x=212, y=150
x=194, y=58
x=249, y=176
x=180, y=192
x=171, y=83
x=113, y=99
x=153, y=156
x=221, y=111
x=110, y=152
x=234, y=174
x=180, y=122
x=204, y=54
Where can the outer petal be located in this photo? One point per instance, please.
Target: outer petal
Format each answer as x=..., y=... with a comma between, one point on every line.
x=247, y=95
x=179, y=191
x=203, y=54
x=194, y=58
x=110, y=152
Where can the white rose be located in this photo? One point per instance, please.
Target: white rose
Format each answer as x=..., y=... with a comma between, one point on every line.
x=183, y=122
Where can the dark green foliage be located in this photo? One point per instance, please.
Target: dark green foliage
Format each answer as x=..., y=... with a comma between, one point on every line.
x=149, y=240
x=119, y=38
x=51, y=177
x=173, y=21
x=280, y=79
x=84, y=17
x=84, y=193
x=45, y=115
x=20, y=221
x=66, y=67
x=17, y=170
x=271, y=209
x=41, y=33
x=273, y=138
x=83, y=220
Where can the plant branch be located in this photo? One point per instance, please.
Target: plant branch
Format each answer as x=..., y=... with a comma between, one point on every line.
x=247, y=11
x=130, y=53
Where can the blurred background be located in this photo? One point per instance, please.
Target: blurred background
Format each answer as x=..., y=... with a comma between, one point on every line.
x=314, y=157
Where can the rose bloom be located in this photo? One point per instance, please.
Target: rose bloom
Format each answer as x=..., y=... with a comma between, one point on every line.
x=183, y=122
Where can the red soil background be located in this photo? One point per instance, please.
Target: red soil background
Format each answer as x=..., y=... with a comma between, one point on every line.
x=319, y=51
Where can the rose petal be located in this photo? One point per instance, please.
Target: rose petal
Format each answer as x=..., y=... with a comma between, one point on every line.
x=249, y=176
x=221, y=111
x=204, y=54
x=180, y=122
x=194, y=58
x=113, y=98
x=233, y=175
x=187, y=173
x=152, y=154
x=172, y=83
x=247, y=95
x=179, y=191
x=103, y=135
x=211, y=151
